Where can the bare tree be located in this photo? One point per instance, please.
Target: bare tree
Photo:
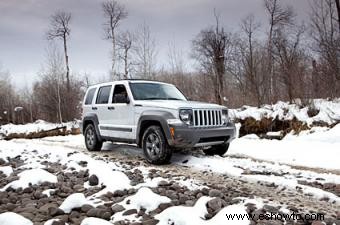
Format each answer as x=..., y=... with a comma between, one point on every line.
x=60, y=29
x=124, y=43
x=327, y=45
x=278, y=17
x=176, y=58
x=145, y=52
x=291, y=62
x=114, y=13
x=210, y=49
x=251, y=61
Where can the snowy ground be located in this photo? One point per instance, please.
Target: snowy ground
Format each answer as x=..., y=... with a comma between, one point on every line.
x=55, y=180
x=306, y=165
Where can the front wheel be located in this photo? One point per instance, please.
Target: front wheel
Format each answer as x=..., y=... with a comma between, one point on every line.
x=155, y=146
x=91, y=139
x=217, y=149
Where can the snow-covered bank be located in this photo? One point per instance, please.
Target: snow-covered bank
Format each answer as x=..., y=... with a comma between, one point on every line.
x=327, y=111
x=37, y=126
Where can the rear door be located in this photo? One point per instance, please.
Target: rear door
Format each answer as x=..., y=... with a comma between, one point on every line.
x=88, y=100
x=101, y=108
x=122, y=113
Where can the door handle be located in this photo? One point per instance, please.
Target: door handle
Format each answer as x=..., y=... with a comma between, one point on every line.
x=110, y=108
x=94, y=108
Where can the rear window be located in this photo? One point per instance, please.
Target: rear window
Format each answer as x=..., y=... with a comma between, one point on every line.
x=89, y=96
x=103, y=95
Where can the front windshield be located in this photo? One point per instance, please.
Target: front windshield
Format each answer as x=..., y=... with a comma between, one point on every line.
x=155, y=91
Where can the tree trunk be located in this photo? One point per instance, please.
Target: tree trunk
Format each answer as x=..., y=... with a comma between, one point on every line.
x=67, y=64
x=337, y=2
x=126, y=64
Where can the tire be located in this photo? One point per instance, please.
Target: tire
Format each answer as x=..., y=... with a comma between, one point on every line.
x=91, y=139
x=217, y=149
x=155, y=146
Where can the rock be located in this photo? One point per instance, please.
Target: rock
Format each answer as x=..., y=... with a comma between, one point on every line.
x=54, y=211
x=317, y=223
x=150, y=222
x=215, y=193
x=338, y=215
x=189, y=203
x=130, y=212
x=85, y=208
x=164, y=206
x=92, y=212
x=119, y=193
x=28, y=190
x=45, y=208
x=93, y=180
x=73, y=215
x=78, y=188
x=58, y=222
x=271, y=209
x=171, y=194
x=117, y=208
x=215, y=204
x=250, y=207
x=163, y=183
x=105, y=215
x=2, y=162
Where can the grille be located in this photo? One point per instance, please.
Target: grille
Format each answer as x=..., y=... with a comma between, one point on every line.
x=207, y=118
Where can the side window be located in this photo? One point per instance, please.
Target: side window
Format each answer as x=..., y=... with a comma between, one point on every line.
x=89, y=96
x=120, y=94
x=103, y=95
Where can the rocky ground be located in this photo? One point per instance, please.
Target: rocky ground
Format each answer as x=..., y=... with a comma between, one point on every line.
x=182, y=184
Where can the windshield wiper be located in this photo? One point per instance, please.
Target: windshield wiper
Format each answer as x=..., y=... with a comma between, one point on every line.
x=163, y=99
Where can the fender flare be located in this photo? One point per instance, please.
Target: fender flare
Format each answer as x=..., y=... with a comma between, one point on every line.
x=157, y=116
x=92, y=117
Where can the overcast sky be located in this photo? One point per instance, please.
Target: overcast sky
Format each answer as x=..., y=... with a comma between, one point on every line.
x=23, y=24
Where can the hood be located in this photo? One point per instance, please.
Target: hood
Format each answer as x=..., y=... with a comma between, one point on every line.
x=176, y=104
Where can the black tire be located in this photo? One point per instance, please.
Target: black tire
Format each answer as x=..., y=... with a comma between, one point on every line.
x=155, y=146
x=217, y=149
x=91, y=139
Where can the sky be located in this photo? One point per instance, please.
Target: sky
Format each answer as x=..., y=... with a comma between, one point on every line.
x=23, y=24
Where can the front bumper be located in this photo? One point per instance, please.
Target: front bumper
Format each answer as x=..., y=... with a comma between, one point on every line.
x=184, y=136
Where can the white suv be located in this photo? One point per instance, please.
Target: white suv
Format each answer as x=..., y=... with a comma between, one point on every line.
x=156, y=116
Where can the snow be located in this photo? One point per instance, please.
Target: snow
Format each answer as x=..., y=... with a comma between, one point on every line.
x=48, y=192
x=94, y=221
x=10, y=218
x=144, y=198
x=33, y=176
x=50, y=222
x=7, y=170
x=76, y=200
x=329, y=111
x=179, y=214
x=318, y=149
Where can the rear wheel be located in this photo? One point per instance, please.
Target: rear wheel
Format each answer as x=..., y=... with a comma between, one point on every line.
x=91, y=139
x=217, y=149
x=155, y=146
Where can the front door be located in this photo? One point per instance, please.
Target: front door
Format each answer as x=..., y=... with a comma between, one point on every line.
x=122, y=119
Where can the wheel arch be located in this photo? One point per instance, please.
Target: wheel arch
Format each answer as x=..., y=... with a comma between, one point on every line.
x=92, y=119
x=151, y=118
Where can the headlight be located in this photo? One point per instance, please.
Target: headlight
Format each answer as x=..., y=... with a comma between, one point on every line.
x=225, y=118
x=185, y=115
